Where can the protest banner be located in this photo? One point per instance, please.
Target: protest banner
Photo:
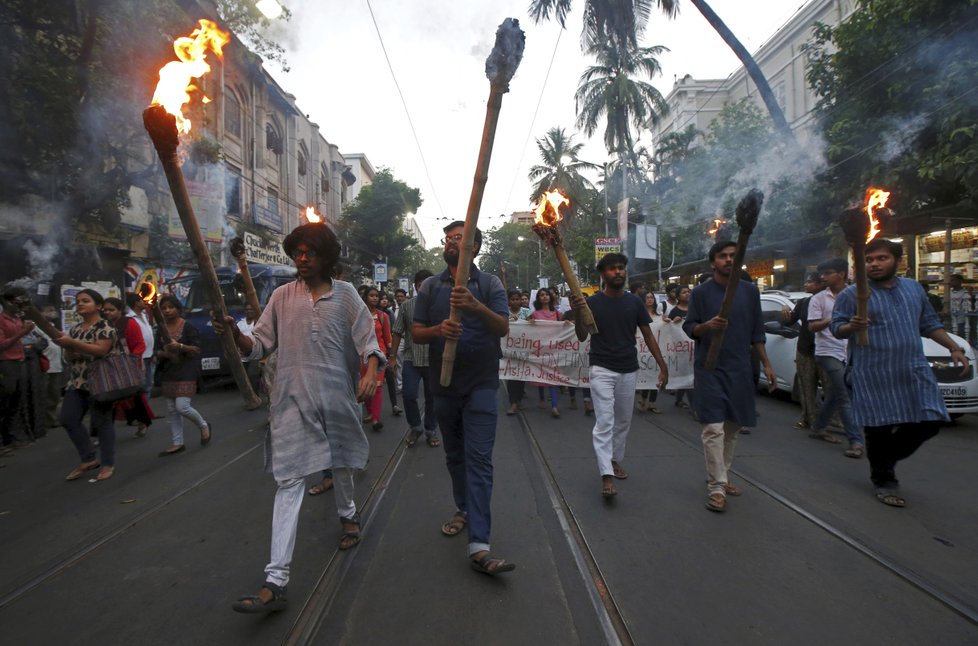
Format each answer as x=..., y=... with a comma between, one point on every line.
x=548, y=352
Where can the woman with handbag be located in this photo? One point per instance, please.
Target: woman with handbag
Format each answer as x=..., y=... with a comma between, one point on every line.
x=179, y=370
x=129, y=339
x=87, y=341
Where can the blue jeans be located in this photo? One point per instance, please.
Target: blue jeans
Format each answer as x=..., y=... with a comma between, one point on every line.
x=78, y=402
x=837, y=398
x=411, y=378
x=468, y=428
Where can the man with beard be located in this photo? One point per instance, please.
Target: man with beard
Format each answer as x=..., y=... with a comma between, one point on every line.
x=613, y=359
x=894, y=392
x=724, y=401
x=321, y=331
x=466, y=409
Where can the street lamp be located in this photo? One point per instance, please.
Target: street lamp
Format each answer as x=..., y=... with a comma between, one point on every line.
x=539, y=257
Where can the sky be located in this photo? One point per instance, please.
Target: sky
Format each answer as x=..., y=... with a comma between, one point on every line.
x=437, y=49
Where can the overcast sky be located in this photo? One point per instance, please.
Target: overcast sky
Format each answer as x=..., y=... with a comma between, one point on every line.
x=437, y=49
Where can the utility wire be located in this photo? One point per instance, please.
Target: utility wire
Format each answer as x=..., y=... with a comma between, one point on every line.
x=407, y=112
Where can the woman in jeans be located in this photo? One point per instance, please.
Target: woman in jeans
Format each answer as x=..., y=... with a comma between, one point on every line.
x=179, y=369
x=129, y=339
x=94, y=337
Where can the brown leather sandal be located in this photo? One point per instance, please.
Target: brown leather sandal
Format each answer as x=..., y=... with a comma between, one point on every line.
x=455, y=526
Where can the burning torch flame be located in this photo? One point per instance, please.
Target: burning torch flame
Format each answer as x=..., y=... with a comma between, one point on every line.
x=312, y=217
x=717, y=223
x=875, y=199
x=173, y=90
x=548, y=208
x=147, y=292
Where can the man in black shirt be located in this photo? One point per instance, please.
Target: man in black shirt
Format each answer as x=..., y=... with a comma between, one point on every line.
x=805, y=366
x=613, y=357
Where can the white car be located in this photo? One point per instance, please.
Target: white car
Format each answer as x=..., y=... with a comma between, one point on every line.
x=960, y=392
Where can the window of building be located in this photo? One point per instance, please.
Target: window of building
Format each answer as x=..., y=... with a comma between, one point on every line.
x=232, y=115
x=273, y=202
x=323, y=179
x=273, y=140
x=301, y=167
x=232, y=190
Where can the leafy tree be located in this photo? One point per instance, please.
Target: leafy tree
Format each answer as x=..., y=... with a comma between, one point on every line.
x=372, y=224
x=896, y=105
x=617, y=21
x=560, y=168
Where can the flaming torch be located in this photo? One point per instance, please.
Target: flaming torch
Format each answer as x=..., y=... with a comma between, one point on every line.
x=747, y=212
x=148, y=293
x=312, y=217
x=500, y=67
x=545, y=226
x=164, y=122
x=860, y=225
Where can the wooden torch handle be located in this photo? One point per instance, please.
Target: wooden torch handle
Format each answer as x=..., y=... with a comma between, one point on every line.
x=587, y=317
x=716, y=339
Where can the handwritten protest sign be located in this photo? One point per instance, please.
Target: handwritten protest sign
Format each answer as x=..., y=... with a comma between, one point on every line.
x=548, y=352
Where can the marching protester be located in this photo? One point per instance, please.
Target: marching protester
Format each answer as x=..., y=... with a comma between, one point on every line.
x=805, y=366
x=960, y=306
x=415, y=371
x=136, y=310
x=677, y=315
x=382, y=329
x=614, y=365
x=672, y=299
x=650, y=396
x=830, y=357
x=724, y=400
x=321, y=333
x=400, y=297
x=516, y=388
x=12, y=391
x=247, y=326
x=33, y=401
x=570, y=316
x=467, y=407
x=389, y=307
x=178, y=363
x=129, y=338
x=94, y=337
x=894, y=392
x=52, y=379
x=544, y=309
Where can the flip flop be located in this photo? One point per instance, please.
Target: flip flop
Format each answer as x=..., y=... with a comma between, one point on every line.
x=81, y=469
x=855, y=452
x=619, y=473
x=434, y=441
x=455, y=526
x=253, y=605
x=825, y=437
x=491, y=566
x=890, y=498
x=317, y=489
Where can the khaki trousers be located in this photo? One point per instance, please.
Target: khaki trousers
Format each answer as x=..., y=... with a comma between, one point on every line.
x=719, y=440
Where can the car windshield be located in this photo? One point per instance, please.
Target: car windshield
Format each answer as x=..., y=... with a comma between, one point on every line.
x=198, y=299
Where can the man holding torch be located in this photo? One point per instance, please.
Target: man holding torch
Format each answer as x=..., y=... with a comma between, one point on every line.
x=466, y=408
x=724, y=401
x=614, y=364
x=321, y=332
x=895, y=395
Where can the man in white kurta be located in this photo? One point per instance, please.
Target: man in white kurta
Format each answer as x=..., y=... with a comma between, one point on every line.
x=321, y=332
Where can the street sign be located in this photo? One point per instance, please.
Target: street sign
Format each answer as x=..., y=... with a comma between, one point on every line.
x=544, y=282
x=404, y=284
x=604, y=246
x=380, y=272
x=646, y=241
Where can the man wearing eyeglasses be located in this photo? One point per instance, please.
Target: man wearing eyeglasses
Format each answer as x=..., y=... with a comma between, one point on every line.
x=466, y=409
x=12, y=330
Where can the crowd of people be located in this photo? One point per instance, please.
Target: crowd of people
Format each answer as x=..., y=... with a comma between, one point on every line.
x=328, y=381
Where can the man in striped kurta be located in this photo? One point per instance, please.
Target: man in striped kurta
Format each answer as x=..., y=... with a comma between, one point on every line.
x=894, y=392
x=321, y=332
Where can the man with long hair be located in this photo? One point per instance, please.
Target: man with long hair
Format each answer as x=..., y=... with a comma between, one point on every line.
x=321, y=332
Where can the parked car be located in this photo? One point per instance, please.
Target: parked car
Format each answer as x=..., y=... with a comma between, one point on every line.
x=960, y=392
x=198, y=305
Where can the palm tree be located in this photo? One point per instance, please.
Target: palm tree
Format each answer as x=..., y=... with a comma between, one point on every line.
x=561, y=169
x=623, y=20
x=612, y=90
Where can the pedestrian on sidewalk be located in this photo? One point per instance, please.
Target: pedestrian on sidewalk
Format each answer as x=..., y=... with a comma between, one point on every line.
x=830, y=357
x=544, y=309
x=94, y=337
x=12, y=369
x=179, y=368
x=614, y=364
x=321, y=333
x=466, y=408
x=805, y=366
x=895, y=397
x=415, y=371
x=724, y=401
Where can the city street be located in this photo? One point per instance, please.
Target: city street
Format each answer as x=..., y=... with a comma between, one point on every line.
x=807, y=555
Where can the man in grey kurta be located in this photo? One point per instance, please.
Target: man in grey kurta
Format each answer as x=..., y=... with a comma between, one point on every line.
x=321, y=332
x=894, y=392
x=724, y=399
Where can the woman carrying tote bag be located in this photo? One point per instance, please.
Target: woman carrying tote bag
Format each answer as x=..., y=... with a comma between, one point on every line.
x=129, y=339
x=179, y=370
x=94, y=337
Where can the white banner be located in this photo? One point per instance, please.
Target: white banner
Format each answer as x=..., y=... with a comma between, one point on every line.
x=548, y=352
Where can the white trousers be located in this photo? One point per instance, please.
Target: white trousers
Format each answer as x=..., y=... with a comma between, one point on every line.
x=719, y=440
x=613, y=397
x=285, y=519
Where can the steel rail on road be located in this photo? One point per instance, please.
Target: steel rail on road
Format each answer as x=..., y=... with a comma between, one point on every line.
x=943, y=597
x=101, y=538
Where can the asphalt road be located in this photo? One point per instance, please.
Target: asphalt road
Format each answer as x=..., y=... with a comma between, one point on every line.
x=157, y=554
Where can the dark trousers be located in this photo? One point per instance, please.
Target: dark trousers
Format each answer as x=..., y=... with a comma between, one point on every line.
x=887, y=445
x=411, y=379
x=391, y=378
x=12, y=384
x=515, y=389
x=76, y=404
x=51, y=385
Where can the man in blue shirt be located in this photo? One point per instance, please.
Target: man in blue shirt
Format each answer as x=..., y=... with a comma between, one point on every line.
x=466, y=409
x=895, y=397
x=613, y=359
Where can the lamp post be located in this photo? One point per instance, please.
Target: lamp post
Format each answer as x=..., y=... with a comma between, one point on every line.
x=539, y=259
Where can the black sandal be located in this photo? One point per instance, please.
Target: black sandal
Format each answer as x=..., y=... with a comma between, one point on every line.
x=491, y=566
x=349, y=539
x=253, y=605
